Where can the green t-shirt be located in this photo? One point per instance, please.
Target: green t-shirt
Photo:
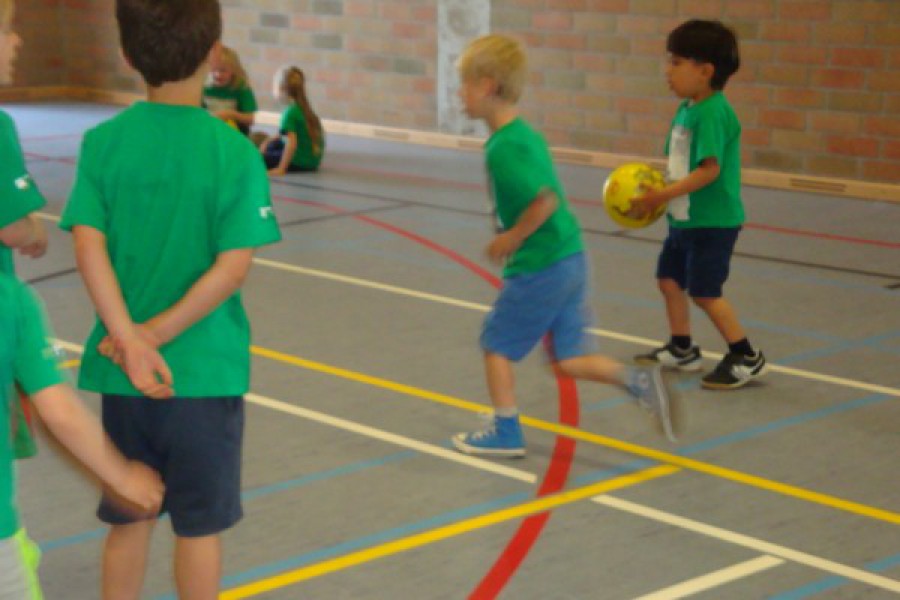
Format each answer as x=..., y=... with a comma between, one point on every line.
x=520, y=167
x=171, y=187
x=241, y=99
x=26, y=357
x=707, y=129
x=19, y=195
x=307, y=156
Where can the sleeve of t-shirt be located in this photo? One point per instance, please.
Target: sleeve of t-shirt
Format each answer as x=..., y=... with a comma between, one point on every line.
x=292, y=120
x=515, y=170
x=36, y=362
x=85, y=205
x=245, y=217
x=709, y=139
x=18, y=193
x=247, y=100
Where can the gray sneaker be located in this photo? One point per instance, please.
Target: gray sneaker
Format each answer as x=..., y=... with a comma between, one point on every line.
x=653, y=394
x=672, y=357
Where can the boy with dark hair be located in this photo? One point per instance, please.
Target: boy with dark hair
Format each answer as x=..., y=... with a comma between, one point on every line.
x=167, y=208
x=704, y=204
x=545, y=273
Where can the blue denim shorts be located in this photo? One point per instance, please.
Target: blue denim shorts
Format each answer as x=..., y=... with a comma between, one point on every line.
x=698, y=259
x=554, y=300
x=195, y=444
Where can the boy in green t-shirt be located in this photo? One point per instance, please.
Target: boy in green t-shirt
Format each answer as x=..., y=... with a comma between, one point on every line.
x=167, y=208
x=705, y=212
x=19, y=197
x=545, y=277
x=28, y=360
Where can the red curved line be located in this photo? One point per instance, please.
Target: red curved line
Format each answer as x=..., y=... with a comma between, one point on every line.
x=563, y=451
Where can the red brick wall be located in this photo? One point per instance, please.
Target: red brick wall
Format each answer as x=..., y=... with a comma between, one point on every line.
x=819, y=92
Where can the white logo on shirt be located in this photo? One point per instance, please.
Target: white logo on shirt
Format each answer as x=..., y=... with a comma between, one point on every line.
x=679, y=167
x=265, y=212
x=23, y=182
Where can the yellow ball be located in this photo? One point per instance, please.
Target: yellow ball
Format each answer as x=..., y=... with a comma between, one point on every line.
x=631, y=181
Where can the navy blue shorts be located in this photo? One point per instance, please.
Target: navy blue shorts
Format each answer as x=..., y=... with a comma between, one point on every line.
x=554, y=300
x=698, y=259
x=195, y=444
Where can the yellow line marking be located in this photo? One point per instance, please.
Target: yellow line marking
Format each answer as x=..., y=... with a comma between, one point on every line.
x=593, y=438
x=70, y=364
x=441, y=533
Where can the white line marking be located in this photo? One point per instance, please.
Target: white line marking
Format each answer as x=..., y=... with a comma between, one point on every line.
x=391, y=438
x=751, y=542
x=617, y=503
x=641, y=341
x=714, y=579
x=606, y=333
x=372, y=432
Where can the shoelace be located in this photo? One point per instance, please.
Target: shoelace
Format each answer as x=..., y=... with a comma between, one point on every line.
x=487, y=427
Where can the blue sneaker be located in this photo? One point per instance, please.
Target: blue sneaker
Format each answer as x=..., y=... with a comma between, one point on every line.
x=502, y=437
x=653, y=395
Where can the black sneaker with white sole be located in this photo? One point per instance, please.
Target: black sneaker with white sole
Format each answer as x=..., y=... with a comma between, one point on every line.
x=735, y=370
x=672, y=357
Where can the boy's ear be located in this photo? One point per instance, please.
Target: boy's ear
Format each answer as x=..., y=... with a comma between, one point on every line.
x=708, y=70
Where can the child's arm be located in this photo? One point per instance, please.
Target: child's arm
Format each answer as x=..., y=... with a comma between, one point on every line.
x=144, y=365
x=80, y=432
x=241, y=118
x=290, y=147
x=702, y=176
x=505, y=244
x=28, y=235
x=223, y=279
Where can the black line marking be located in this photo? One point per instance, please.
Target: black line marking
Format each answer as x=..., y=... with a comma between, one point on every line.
x=893, y=286
x=342, y=215
x=50, y=276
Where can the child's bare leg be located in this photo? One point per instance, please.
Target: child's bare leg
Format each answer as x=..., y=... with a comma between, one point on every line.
x=501, y=382
x=125, y=560
x=678, y=308
x=724, y=317
x=594, y=367
x=198, y=567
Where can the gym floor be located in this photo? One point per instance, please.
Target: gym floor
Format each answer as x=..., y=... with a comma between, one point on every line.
x=366, y=318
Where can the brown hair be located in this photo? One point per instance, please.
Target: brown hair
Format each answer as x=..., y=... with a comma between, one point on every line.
x=168, y=40
x=293, y=83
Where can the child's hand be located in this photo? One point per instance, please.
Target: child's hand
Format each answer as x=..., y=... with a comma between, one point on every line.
x=277, y=172
x=226, y=114
x=502, y=247
x=108, y=348
x=38, y=244
x=142, y=487
x=145, y=366
x=647, y=204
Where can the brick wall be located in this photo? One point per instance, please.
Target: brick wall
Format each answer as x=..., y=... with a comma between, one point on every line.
x=819, y=92
x=40, y=59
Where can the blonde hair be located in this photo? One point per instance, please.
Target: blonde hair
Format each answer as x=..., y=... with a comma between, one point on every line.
x=239, y=74
x=496, y=57
x=293, y=84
